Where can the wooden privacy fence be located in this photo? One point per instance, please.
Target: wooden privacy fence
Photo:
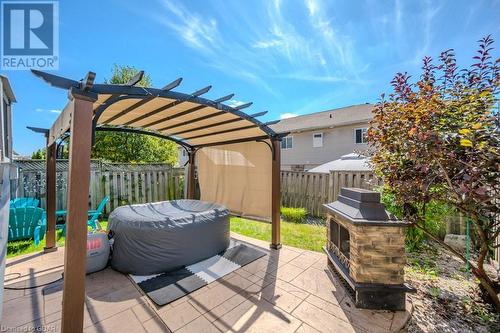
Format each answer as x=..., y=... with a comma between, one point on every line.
x=311, y=190
x=124, y=183
x=141, y=183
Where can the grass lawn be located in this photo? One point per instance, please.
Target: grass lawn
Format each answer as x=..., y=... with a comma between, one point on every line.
x=304, y=236
x=17, y=248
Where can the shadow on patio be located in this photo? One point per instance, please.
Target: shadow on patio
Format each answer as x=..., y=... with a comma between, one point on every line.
x=289, y=290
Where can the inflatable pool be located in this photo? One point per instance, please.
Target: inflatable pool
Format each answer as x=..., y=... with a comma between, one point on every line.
x=164, y=236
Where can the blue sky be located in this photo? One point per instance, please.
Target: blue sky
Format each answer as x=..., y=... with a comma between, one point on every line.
x=288, y=57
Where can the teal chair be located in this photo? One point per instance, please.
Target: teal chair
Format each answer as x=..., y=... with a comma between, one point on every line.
x=27, y=223
x=93, y=215
x=24, y=202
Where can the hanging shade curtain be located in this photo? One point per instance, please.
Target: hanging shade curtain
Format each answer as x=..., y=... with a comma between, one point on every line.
x=237, y=176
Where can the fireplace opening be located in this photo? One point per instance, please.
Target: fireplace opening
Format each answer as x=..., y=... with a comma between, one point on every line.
x=339, y=242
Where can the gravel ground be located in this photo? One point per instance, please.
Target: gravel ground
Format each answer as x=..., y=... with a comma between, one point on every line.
x=447, y=300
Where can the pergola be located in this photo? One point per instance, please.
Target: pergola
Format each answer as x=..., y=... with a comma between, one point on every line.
x=189, y=120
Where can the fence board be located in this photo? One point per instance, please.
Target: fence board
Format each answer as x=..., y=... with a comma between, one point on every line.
x=124, y=183
x=141, y=183
x=311, y=190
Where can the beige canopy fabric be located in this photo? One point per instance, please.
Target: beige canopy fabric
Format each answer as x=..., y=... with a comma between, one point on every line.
x=237, y=176
x=195, y=123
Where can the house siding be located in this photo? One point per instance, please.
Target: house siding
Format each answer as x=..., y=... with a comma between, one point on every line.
x=337, y=141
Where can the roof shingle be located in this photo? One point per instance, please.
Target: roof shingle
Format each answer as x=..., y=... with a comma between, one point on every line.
x=326, y=119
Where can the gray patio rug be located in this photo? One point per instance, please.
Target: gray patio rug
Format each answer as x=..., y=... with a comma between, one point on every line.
x=165, y=288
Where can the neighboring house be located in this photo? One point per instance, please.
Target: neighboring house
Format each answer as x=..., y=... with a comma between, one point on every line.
x=7, y=98
x=321, y=137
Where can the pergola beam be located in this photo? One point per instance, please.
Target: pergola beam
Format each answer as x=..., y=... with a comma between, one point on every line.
x=139, y=131
x=223, y=99
x=135, y=79
x=50, y=198
x=172, y=85
x=61, y=125
x=191, y=179
x=229, y=130
x=243, y=106
x=276, y=194
x=229, y=142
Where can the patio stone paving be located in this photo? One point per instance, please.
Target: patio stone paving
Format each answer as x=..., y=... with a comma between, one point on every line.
x=289, y=290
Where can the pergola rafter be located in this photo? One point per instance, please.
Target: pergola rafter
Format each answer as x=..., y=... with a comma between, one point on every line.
x=189, y=120
x=169, y=86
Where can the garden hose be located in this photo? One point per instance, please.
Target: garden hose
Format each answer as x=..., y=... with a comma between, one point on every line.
x=34, y=287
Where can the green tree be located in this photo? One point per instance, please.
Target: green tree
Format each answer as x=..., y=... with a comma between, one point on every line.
x=38, y=155
x=438, y=140
x=131, y=147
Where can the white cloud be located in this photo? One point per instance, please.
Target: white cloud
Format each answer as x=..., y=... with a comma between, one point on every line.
x=288, y=115
x=312, y=7
x=198, y=32
x=265, y=44
x=427, y=21
x=48, y=110
x=277, y=47
x=234, y=103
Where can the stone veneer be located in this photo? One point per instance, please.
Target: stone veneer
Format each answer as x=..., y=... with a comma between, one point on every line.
x=377, y=253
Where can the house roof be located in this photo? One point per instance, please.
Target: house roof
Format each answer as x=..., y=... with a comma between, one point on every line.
x=349, y=162
x=326, y=119
x=8, y=89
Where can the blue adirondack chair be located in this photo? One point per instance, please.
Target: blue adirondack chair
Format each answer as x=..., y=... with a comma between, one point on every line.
x=27, y=223
x=24, y=202
x=93, y=215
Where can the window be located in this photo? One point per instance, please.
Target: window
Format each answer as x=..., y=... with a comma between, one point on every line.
x=287, y=142
x=317, y=140
x=361, y=135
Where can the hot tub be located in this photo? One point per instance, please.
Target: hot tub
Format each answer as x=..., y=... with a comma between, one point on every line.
x=164, y=236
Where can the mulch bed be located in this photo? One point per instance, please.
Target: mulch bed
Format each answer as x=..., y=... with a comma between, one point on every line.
x=447, y=299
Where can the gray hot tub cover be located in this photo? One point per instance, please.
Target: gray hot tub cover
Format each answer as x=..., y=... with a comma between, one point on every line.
x=164, y=236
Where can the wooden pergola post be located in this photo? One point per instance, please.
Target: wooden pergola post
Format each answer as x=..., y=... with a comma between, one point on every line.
x=76, y=229
x=276, y=195
x=191, y=182
x=50, y=198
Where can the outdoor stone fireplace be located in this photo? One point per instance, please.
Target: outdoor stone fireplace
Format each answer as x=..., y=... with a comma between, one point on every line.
x=365, y=247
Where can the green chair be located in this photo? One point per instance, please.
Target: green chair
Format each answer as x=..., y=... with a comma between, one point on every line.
x=24, y=202
x=27, y=223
